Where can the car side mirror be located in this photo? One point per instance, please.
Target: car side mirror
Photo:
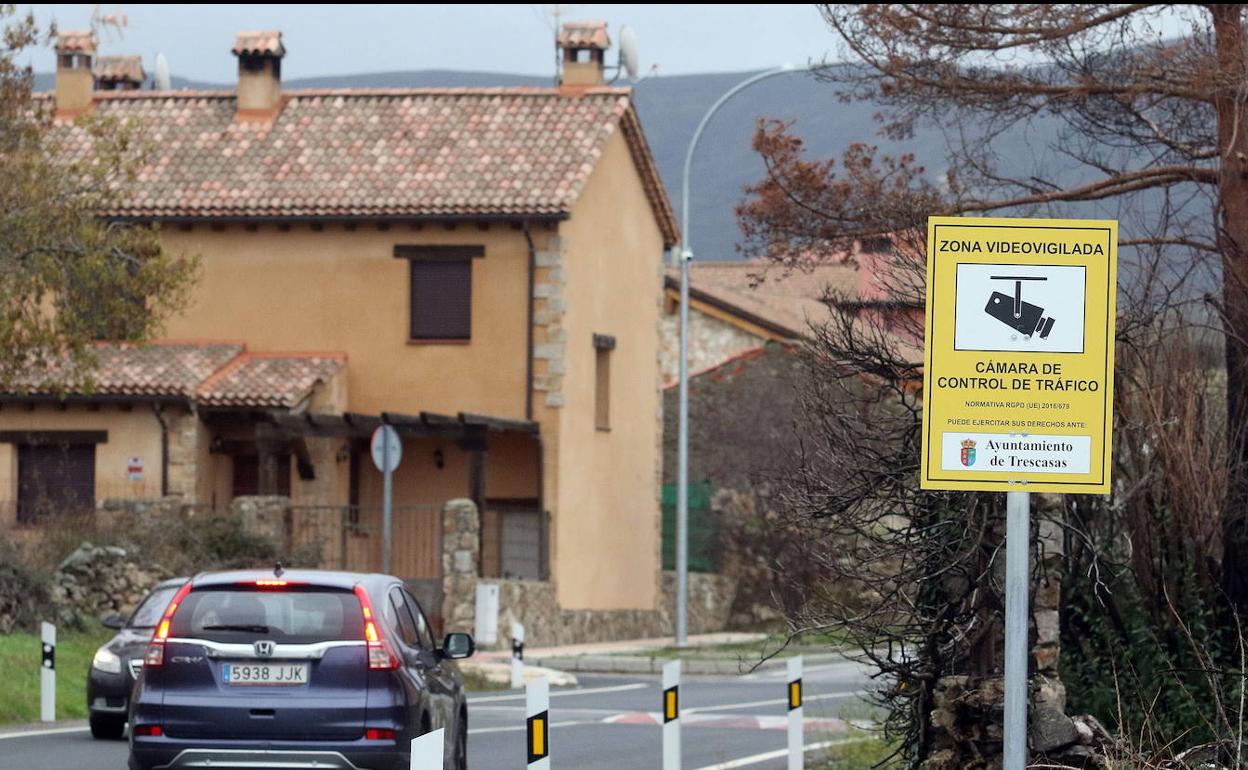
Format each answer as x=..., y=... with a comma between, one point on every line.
x=114, y=621
x=457, y=646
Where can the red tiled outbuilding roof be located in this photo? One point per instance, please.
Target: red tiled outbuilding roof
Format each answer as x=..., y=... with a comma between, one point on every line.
x=268, y=380
x=110, y=69
x=221, y=374
x=376, y=153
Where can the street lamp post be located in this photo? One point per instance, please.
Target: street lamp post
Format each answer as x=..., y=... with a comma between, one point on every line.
x=682, y=459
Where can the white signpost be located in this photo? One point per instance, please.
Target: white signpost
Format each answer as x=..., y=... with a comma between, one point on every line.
x=427, y=750
x=517, y=656
x=797, y=749
x=47, y=674
x=387, y=450
x=537, y=724
x=671, y=715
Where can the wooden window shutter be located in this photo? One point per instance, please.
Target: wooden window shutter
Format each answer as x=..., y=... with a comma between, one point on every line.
x=441, y=299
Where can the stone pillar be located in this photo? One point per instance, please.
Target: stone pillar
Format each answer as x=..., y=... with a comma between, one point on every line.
x=267, y=516
x=183, y=437
x=550, y=343
x=461, y=560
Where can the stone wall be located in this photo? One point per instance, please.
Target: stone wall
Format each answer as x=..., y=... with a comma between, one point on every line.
x=966, y=720
x=535, y=604
x=711, y=342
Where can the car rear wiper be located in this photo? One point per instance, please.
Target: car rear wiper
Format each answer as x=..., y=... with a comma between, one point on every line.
x=252, y=629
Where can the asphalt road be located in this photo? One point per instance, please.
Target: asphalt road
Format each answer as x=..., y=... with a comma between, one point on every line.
x=606, y=722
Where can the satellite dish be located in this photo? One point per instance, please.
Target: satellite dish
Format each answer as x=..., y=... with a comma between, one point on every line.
x=628, y=52
x=163, y=81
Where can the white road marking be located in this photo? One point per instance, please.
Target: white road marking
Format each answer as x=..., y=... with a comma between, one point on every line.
x=590, y=691
x=772, y=702
x=778, y=754
x=519, y=728
x=54, y=731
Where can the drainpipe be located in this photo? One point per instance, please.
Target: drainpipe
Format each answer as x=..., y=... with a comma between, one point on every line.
x=157, y=410
x=528, y=361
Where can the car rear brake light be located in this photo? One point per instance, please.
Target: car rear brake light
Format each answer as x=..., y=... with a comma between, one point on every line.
x=380, y=656
x=155, y=655
x=152, y=730
x=271, y=583
x=379, y=734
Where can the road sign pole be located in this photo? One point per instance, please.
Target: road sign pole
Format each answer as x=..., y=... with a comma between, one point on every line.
x=797, y=749
x=1017, y=573
x=671, y=715
x=387, y=513
x=47, y=674
x=427, y=750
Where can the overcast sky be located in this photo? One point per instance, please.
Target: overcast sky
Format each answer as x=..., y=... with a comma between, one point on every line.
x=342, y=39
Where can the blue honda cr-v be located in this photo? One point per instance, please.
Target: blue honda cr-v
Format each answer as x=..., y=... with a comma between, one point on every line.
x=296, y=669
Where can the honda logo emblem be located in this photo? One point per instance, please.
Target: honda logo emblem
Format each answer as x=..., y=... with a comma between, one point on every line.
x=264, y=649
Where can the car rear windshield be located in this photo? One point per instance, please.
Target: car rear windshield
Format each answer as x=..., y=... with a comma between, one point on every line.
x=290, y=614
x=147, y=614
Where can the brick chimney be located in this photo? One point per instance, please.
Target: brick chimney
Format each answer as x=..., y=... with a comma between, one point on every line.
x=119, y=73
x=584, y=45
x=259, y=74
x=75, y=51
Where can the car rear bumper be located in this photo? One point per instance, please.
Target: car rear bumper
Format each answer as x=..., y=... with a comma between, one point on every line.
x=178, y=756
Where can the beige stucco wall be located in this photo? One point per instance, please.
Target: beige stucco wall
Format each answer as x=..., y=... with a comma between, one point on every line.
x=130, y=434
x=606, y=545
x=343, y=290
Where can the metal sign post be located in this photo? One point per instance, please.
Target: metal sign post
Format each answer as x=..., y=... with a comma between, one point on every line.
x=47, y=674
x=387, y=451
x=1017, y=573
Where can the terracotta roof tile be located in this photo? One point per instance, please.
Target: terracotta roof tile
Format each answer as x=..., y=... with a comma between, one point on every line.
x=254, y=43
x=268, y=380
x=584, y=34
x=75, y=41
x=119, y=68
x=209, y=373
x=374, y=153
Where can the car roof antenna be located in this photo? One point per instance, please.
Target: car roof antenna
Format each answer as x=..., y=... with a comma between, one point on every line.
x=278, y=570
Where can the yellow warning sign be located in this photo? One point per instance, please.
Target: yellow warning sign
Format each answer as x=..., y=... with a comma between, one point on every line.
x=795, y=694
x=1019, y=354
x=538, y=730
x=671, y=704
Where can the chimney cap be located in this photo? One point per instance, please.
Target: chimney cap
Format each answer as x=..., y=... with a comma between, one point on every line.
x=584, y=34
x=75, y=41
x=119, y=69
x=259, y=43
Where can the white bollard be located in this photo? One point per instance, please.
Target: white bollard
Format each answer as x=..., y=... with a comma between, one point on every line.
x=537, y=713
x=671, y=715
x=517, y=656
x=47, y=674
x=427, y=750
x=797, y=749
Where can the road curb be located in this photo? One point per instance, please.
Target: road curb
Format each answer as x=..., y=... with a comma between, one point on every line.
x=639, y=664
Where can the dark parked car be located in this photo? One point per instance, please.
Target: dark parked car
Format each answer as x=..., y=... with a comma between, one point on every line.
x=117, y=664
x=297, y=669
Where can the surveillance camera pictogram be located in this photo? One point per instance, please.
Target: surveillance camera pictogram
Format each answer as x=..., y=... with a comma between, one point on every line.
x=1034, y=308
x=1023, y=317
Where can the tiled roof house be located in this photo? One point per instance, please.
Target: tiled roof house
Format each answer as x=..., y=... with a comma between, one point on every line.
x=478, y=268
